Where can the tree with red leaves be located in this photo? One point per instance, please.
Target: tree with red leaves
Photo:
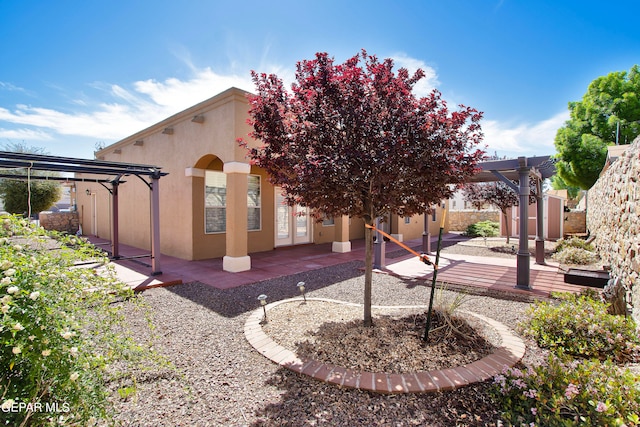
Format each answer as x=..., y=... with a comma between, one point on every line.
x=352, y=139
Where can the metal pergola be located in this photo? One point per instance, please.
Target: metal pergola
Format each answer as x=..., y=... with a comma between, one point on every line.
x=520, y=170
x=114, y=171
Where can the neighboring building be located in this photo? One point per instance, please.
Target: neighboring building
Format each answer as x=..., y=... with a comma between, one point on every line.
x=463, y=214
x=554, y=203
x=213, y=203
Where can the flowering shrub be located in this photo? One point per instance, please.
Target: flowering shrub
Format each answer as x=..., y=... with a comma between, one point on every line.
x=580, y=326
x=575, y=256
x=569, y=393
x=573, y=242
x=59, y=328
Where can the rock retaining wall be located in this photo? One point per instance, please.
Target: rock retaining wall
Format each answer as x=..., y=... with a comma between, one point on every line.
x=613, y=217
x=460, y=220
x=67, y=222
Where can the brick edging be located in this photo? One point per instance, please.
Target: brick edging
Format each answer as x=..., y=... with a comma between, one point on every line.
x=507, y=355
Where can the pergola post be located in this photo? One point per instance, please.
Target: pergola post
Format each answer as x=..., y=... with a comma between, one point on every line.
x=426, y=236
x=523, y=268
x=155, y=225
x=115, y=244
x=540, y=224
x=379, y=261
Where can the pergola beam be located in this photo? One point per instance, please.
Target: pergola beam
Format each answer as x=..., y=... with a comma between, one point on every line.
x=115, y=170
x=520, y=170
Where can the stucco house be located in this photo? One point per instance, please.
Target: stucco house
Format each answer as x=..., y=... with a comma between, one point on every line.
x=213, y=203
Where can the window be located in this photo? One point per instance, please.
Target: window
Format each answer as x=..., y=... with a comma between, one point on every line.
x=327, y=221
x=215, y=202
x=253, y=203
x=433, y=215
x=407, y=220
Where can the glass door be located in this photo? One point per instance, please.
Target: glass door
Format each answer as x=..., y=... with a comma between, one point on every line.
x=293, y=223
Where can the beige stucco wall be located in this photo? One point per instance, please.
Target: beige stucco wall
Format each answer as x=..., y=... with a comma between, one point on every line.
x=192, y=148
x=185, y=147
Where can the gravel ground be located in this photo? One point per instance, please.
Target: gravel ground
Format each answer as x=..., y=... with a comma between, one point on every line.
x=218, y=379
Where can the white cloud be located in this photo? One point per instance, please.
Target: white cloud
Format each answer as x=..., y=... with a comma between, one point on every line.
x=522, y=139
x=18, y=135
x=150, y=101
x=143, y=103
x=427, y=83
x=178, y=94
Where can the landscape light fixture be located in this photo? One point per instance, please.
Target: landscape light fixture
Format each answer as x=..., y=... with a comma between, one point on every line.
x=300, y=286
x=263, y=302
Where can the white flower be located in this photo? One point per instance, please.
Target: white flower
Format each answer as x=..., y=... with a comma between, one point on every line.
x=6, y=299
x=66, y=334
x=32, y=337
x=74, y=376
x=13, y=290
x=7, y=404
x=73, y=351
x=10, y=272
x=46, y=353
x=17, y=247
x=6, y=280
x=34, y=295
x=18, y=327
x=16, y=350
x=5, y=309
x=5, y=264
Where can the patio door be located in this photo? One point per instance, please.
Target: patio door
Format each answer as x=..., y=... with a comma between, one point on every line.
x=293, y=223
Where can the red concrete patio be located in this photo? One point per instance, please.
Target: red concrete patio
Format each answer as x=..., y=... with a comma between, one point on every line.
x=485, y=275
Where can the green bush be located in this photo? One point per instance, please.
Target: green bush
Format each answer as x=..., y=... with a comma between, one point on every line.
x=573, y=242
x=61, y=328
x=568, y=393
x=580, y=326
x=483, y=229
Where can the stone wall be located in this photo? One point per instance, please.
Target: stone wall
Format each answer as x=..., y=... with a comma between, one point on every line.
x=460, y=220
x=613, y=217
x=575, y=222
x=67, y=222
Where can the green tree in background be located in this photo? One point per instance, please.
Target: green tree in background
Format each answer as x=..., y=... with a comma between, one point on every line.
x=22, y=196
x=608, y=114
x=557, y=183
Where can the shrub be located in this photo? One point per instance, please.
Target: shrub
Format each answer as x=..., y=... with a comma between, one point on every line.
x=568, y=393
x=483, y=229
x=574, y=242
x=579, y=325
x=61, y=327
x=577, y=256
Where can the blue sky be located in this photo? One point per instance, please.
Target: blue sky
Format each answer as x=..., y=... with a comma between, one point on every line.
x=77, y=73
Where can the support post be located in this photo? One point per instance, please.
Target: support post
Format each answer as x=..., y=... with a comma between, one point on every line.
x=426, y=236
x=379, y=248
x=115, y=244
x=539, y=224
x=155, y=226
x=237, y=257
x=341, y=244
x=523, y=267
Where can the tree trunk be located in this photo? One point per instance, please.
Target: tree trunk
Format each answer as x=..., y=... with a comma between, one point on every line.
x=506, y=224
x=368, y=272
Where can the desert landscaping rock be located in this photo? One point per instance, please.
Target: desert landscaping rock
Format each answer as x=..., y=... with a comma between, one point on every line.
x=218, y=379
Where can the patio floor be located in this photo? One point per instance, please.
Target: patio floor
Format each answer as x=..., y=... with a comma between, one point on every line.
x=490, y=275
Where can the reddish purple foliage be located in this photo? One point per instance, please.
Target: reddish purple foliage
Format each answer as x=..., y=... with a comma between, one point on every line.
x=352, y=139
